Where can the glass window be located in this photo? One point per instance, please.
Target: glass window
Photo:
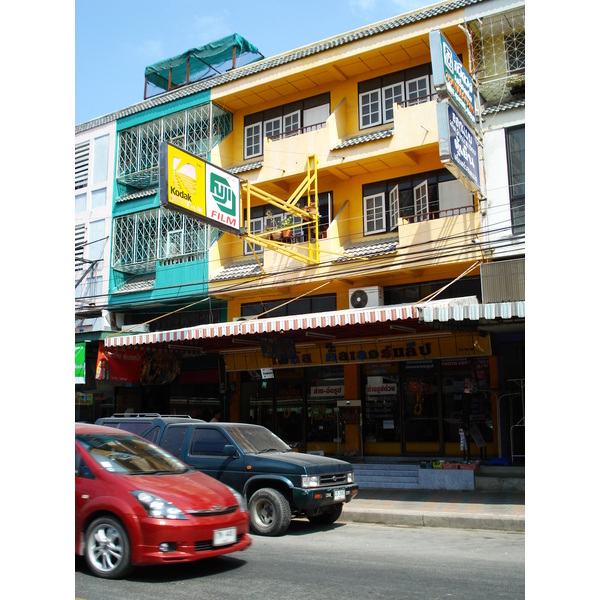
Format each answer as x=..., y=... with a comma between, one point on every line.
x=291, y=122
x=96, y=240
x=173, y=439
x=273, y=127
x=421, y=202
x=394, y=208
x=417, y=90
x=370, y=108
x=393, y=94
x=515, y=149
x=208, y=441
x=100, y=173
x=80, y=203
x=374, y=213
x=253, y=140
x=256, y=226
x=99, y=198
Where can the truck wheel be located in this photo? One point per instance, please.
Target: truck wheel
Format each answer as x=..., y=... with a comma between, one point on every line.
x=270, y=512
x=329, y=517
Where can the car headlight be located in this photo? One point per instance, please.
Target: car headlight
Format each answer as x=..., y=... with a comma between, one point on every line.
x=309, y=481
x=240, y=499
x=158, y=508
x=350, y=478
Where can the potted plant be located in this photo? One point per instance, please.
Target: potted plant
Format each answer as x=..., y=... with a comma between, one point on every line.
x=286, y=224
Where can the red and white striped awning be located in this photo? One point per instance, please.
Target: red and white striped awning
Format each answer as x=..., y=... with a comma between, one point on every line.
x=337, y=318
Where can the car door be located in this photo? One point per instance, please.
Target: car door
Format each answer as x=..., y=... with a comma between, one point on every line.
x=206, y=452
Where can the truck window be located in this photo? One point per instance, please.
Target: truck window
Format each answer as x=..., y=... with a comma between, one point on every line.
x=173, y=439
x=208, y=441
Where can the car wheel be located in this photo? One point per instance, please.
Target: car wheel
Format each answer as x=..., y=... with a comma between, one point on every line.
x=107, y=551
x=329, y=517
x=270, y=512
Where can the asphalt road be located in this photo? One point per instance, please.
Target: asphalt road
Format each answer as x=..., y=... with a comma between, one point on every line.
x=346, y=561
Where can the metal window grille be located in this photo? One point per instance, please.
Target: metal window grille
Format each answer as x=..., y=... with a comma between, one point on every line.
x=79, y=246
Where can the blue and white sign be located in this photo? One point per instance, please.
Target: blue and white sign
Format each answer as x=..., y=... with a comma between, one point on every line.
x=458, y=146
x=450, y=78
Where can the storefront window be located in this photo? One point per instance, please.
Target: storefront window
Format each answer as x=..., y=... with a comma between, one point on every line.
x=420, y=403
x=290, y=412
x=466, y=405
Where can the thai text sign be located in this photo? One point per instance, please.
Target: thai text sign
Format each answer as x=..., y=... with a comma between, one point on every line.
x=197, y=188
x=458, y=146
x=450, y=78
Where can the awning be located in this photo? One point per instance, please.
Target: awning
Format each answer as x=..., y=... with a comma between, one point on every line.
x=474, y=312
x=338, y=318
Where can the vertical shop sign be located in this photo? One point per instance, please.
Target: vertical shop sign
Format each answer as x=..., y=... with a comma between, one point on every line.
x=80, y=363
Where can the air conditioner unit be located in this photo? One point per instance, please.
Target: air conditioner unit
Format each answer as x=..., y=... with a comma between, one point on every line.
x=366, y=297
x=138, y=328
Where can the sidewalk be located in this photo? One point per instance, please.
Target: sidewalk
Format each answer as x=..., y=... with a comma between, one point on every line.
x=504, y=511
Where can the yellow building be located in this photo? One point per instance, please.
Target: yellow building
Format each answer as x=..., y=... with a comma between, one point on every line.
x=355, y=319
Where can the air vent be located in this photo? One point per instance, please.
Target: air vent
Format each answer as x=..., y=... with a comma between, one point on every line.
x=366, y=297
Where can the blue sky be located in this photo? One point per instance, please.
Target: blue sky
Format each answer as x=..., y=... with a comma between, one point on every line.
x=115, y=40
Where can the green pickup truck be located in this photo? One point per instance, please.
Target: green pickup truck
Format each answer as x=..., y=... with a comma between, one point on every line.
x=277, y=483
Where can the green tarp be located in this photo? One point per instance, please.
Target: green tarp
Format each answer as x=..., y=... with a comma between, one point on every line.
x=202, y=61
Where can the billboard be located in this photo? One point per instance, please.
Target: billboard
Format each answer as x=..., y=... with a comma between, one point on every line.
x=458, y=146
x=195, y=187
x=450, y=78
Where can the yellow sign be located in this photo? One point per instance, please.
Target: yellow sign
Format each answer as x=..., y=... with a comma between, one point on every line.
x=457, y=345
x=195, y=187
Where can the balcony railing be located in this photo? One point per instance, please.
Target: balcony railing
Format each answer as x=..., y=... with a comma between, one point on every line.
x=293, y=132
x=438, y=214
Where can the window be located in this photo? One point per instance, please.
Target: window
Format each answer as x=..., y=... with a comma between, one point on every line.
x=394, y=208
x=208, y=441
x=173, y=440
x=174, y=243
x=253, y=140
x=374, y=214
x=96, y=241
x=421, y=202
x=79, y=246
x=256, y=226
x=515, y=150
x=100, y=173
x=417, y=90
x=273, y=127
x=514, y=45
x=299, y=306
x=99, y=198
x=80, y=202
x=370, y=108
x=82, y=163
x=392, y=94
x=291, y=122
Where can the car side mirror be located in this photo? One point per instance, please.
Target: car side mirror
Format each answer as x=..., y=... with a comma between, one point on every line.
x=229, y=450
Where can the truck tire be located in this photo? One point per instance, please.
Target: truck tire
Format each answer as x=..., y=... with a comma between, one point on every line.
x=329, y=517
x=270, y=512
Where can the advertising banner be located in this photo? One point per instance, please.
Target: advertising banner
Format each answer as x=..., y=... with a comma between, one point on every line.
x=458, y=146
x=80, y=363
x=190, y=185
x=450, y=78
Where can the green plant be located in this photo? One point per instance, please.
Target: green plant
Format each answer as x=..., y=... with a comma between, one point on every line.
x=287, y=222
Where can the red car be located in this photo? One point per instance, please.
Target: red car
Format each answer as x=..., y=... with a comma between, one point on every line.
x=136, y=504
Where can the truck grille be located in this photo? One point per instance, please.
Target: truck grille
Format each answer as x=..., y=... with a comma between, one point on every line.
x=334, y=479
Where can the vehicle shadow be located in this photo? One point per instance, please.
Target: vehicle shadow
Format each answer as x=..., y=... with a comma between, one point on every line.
x=175, y=572
x=305, y=527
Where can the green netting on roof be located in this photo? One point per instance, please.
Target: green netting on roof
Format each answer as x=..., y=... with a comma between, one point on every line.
x=203, y=61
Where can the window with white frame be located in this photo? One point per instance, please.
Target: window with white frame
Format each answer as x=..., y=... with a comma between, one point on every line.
x=392, y=94
x=370, y=108
x=417, y=90
x=80, y=203
x=394, y=208
x=256, y=227
x=253, y=140
x=99, y=198
x=273, y=127
x=374, y=213
x=174, y=243
x=96, y=240
x=421, y=202
x=291, y=122
x=100, y=170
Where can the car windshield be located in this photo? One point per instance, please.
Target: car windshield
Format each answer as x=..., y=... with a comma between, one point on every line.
x=129, y=455
x=254, y=440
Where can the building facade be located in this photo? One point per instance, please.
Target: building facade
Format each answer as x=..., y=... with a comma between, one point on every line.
x=362, y=306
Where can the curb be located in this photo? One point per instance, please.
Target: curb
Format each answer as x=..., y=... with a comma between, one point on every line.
x=439, y=519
